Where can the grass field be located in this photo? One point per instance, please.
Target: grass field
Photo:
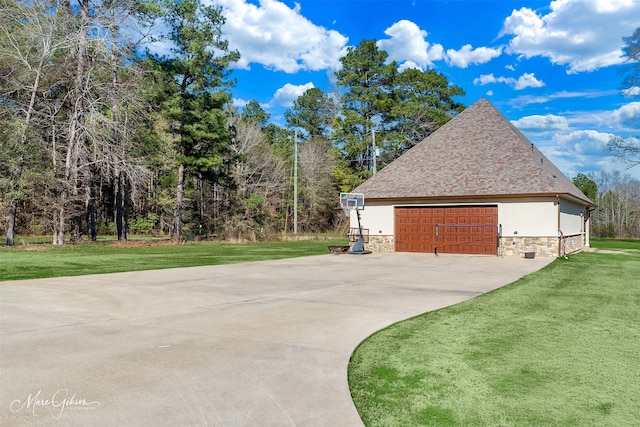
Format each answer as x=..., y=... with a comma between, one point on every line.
x=560, y=347
x=616, y=244
x=38, y=261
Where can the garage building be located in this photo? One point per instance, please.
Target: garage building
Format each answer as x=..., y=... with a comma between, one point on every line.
x=475, y=186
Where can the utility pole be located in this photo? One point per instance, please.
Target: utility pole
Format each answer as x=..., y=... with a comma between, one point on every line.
x=375, y=154
x=295, y=182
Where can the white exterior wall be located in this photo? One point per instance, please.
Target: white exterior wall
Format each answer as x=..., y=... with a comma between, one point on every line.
x=529, y=218
x=571, y=218
x=379, y=219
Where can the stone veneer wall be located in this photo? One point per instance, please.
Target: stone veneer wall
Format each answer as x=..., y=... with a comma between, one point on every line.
x=573, y=244
x=380, y=244
x=541, y=246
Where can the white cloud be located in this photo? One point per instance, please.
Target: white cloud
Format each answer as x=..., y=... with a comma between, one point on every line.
x=279, y=37
x=528, y=80
x=407, y=44
x=623, y=120
x=489, y=93
x=584, y=141
x=575, y=151
x=524, y=81
x=631, y=92
x=628, y=115
x=582, y=34
x=538, y=123
x=525, y=100
x=577, y=141
x=289, y=93
x=239, y=102
x=407, y=65
x=486, y=79
x=468, y=55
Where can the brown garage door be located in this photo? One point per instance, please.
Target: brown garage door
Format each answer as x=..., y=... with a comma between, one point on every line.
x=451, y=229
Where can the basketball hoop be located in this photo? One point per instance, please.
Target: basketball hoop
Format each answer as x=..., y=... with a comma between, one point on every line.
x=351, y=201
x=354, y=202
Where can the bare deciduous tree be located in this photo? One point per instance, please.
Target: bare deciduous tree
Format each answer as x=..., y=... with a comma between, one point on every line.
x=260, y=178
x=626, y=149
x=618, y=205
x=29, y=38
x=318, y=191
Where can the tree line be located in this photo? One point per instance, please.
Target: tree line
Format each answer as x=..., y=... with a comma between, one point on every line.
x=617, y=195
x=628, y=149
x=617, y=199
x=99, y=135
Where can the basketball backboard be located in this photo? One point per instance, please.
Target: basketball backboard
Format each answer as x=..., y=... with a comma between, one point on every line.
x=352, y=201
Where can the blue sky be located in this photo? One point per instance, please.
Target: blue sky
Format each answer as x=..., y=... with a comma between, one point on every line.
x=551, y=67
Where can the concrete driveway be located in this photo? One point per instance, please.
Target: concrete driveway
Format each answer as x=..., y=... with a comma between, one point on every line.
x=256, y=344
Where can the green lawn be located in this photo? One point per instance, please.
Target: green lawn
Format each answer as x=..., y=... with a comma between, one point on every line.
x=560, y=347
x=37, y=261
x=616, y=244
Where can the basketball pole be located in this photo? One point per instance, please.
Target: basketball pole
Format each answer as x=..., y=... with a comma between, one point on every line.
x=358, y=246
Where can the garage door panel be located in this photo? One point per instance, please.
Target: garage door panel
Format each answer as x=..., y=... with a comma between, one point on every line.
x=459, y=229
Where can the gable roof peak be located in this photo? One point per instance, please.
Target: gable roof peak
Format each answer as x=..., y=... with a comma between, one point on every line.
x=477, y=153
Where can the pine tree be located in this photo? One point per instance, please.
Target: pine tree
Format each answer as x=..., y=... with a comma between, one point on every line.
x=194, y=81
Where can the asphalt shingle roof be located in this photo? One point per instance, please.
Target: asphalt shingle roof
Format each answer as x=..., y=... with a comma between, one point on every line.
x=478, y=153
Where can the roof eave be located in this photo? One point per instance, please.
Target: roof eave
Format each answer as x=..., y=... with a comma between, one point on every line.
x=483, y=197
x=578, y=200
